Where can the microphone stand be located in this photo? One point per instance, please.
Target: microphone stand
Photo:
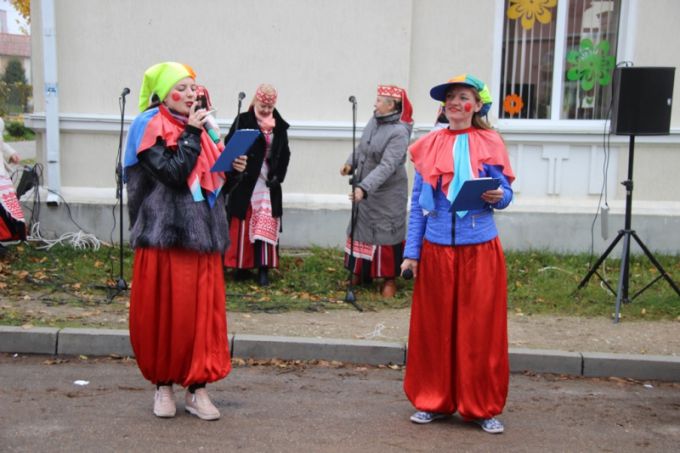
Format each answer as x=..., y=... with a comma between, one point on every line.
x=241, y=95
x=121, y=284
x=238, y=176
x=350, y=297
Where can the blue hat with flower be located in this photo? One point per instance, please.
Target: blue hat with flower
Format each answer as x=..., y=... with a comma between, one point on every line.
x=439, y=92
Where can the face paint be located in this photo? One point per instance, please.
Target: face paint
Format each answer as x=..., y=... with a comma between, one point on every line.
x=175, y=96
x=467, y=107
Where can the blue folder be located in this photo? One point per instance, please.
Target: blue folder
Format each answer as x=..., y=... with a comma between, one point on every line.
x=238, y=145
x=470, y=196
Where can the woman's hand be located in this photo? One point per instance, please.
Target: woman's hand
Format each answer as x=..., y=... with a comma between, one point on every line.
x=493, y=196
x=239, y=163
x=408, y=263
x=358, y=194
x=346, y=170
x=14, y=159
x=197, y=117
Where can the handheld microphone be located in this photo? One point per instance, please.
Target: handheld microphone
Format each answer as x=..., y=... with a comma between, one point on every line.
x=352, y=99
x=125, y=92
x=241, y=95
x=407, y=274
x=211, y=127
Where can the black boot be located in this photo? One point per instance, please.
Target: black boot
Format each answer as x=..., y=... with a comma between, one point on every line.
x=263, y=276
x=241, y=275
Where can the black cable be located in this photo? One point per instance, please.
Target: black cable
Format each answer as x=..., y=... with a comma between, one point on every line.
x=68, y=210
x=606, y=136
x=606, y=145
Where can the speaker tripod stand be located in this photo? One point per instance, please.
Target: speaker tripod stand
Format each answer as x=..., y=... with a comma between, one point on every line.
x=626, y=234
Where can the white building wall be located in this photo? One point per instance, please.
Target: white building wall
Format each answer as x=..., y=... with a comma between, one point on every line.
x=317, y=53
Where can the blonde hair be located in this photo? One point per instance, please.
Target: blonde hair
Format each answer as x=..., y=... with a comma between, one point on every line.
x=265, y=90
x=478, y=120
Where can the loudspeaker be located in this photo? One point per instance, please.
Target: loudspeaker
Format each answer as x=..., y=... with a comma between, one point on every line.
x=642, y=100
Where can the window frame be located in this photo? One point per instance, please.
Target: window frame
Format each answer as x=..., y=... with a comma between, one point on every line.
x=624, y=52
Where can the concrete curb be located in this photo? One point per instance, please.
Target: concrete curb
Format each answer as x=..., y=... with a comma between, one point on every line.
x=94, y=342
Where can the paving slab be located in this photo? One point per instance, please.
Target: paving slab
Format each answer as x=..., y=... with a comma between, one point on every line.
x=34, y=340
x=634, y=366
x=301, y=348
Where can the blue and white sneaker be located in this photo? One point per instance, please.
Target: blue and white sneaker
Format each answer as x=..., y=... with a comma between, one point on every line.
x=490, y=425
x=423, y=417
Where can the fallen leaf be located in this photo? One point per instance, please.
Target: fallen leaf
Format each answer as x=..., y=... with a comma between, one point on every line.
x=27, y=326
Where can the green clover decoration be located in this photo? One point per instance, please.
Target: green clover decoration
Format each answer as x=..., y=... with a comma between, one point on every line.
x=591, y=64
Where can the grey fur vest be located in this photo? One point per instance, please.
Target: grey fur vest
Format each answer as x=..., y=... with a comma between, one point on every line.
x=165, y=217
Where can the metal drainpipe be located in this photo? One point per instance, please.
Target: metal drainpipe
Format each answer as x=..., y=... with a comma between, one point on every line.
x=51, y=102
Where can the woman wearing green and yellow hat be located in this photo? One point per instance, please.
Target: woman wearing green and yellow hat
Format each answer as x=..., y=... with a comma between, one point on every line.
x=458, y=346
x=178, y=226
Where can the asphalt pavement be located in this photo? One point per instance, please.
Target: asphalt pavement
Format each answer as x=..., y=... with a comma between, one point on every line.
x=326, y=407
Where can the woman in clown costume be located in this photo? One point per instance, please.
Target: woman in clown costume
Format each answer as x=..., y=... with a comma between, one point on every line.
x=458, y=348
x=178, y=326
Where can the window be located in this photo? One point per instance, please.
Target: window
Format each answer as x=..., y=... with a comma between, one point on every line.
x=558, y=58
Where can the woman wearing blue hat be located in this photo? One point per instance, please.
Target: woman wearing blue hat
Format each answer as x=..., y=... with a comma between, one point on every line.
x=458, y=347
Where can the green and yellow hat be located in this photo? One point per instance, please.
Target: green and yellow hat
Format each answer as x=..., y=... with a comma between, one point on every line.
x=159, y=80
x=439, y=92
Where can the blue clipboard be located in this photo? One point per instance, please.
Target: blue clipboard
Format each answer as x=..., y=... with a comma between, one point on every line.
x=238, y=145
x=470, y=196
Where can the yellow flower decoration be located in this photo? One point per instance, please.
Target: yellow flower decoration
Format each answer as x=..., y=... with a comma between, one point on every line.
x=513, y=104
x=530, y=11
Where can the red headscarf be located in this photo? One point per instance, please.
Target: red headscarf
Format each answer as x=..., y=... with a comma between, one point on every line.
x=394, y=91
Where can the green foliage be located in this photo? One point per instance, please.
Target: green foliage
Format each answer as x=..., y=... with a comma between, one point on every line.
x=14, y=91
x=547, y=283
x=315, y=280
x=17, y=130
x=14, y=72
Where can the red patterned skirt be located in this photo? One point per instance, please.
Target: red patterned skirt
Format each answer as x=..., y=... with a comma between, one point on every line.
x=386, y=262
x=178, y=323
x=12, y=223
x=457, y=356
x=244, y=254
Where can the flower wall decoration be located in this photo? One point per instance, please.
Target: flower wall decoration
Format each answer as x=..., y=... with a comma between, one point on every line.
x=530, y=11
x=513, y=104
x=591, y=64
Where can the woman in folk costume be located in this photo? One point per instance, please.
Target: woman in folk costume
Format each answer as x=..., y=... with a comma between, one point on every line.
x=12, y=223
x=255, y=205
x=381, y=191
x=178, y=326
x=458, y=348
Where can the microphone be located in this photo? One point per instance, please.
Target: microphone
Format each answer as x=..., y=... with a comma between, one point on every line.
x=241, y=95
x=212, y=128
x=407, y=274
x=352, y=99
x=125, y=92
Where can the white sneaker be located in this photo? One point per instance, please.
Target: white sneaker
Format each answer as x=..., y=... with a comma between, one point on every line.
x=491, y=425
x=422, y=417
x=199, y=404
x=164, y=402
